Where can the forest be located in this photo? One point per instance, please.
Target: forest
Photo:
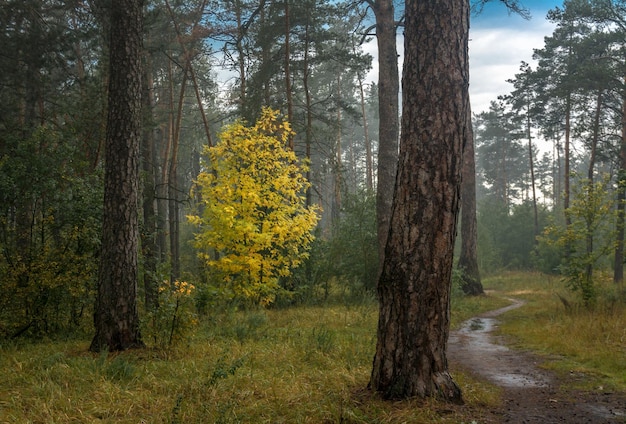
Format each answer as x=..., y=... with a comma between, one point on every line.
x=261, y=199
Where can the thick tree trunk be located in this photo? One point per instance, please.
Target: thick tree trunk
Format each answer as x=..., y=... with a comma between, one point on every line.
x=414, y=286
x=468, y=258
x=116, y=319
x=388, y=89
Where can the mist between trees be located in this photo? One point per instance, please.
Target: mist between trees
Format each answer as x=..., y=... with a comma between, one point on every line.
x=311, y=67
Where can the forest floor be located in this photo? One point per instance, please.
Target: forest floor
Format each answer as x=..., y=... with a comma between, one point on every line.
x=530, y=393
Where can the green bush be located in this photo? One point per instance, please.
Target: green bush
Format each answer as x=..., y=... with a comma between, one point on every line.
x=174, y=319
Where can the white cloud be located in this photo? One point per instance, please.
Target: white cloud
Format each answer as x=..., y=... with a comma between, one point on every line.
x=495, y=56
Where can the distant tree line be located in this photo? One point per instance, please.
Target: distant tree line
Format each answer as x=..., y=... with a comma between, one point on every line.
x=540, y=150
x=303, y=58
x=548, y=147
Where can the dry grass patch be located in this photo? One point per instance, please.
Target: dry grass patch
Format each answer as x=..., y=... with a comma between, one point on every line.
x=298, y=365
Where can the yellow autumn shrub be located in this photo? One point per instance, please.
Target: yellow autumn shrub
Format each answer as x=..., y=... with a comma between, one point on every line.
x=254, y=227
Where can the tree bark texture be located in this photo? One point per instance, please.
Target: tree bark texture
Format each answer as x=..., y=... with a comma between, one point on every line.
x=388, y=89
x=468, y=258
x=414, y=286
x=116, y=319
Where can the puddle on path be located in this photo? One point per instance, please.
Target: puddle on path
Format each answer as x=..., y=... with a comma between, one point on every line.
x=474, y=347
x=531, y=396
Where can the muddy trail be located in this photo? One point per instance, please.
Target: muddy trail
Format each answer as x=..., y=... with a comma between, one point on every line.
x=530, y=394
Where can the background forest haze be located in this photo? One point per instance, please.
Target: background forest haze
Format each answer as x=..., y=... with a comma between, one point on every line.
x=550, y=152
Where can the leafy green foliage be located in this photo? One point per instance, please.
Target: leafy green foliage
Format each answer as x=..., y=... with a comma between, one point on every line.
x=506, y=236
x=224, y=368
x=174, y=318
x=587, y=241
x=254, y=227
x=49, y=226
x=347, y=261
x=354, y=247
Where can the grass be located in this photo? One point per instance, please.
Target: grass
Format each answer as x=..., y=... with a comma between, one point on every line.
x=299, y=365
x=589, y=343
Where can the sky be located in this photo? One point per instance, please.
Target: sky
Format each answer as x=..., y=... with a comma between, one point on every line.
x=499, y=41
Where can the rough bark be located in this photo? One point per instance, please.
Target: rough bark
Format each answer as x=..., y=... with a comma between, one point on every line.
x=116, y=319
x=388, y=88
x=414, y=286
x=468, y=258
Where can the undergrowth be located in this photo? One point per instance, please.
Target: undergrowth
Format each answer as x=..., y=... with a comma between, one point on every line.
x=307, y=364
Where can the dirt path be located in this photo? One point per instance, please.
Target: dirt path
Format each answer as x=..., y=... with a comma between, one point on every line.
x=530, y=394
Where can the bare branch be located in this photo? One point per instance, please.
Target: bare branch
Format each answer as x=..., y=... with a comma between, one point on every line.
x=513, y=6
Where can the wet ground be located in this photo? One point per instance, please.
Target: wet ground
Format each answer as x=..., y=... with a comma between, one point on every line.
x=530, y=394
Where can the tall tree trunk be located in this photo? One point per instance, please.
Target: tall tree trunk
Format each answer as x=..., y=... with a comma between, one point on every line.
x=414, y=286
x=618, y=271
x=266, y=56
x=590, y=174
x=288, y=92
x=116, y=319
x=163, y=183
x=468, y=258
x=148, y=160
x=172, y=186
x=164, y=139
x=338, y=168
x=532, y=172
x=306, y=72
x=241, y=59
x=174, y=221
x=556, y=173
x=566, y=168
x=388, y=89
x=369, y=171
x=189, y=64
x=594, y=139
